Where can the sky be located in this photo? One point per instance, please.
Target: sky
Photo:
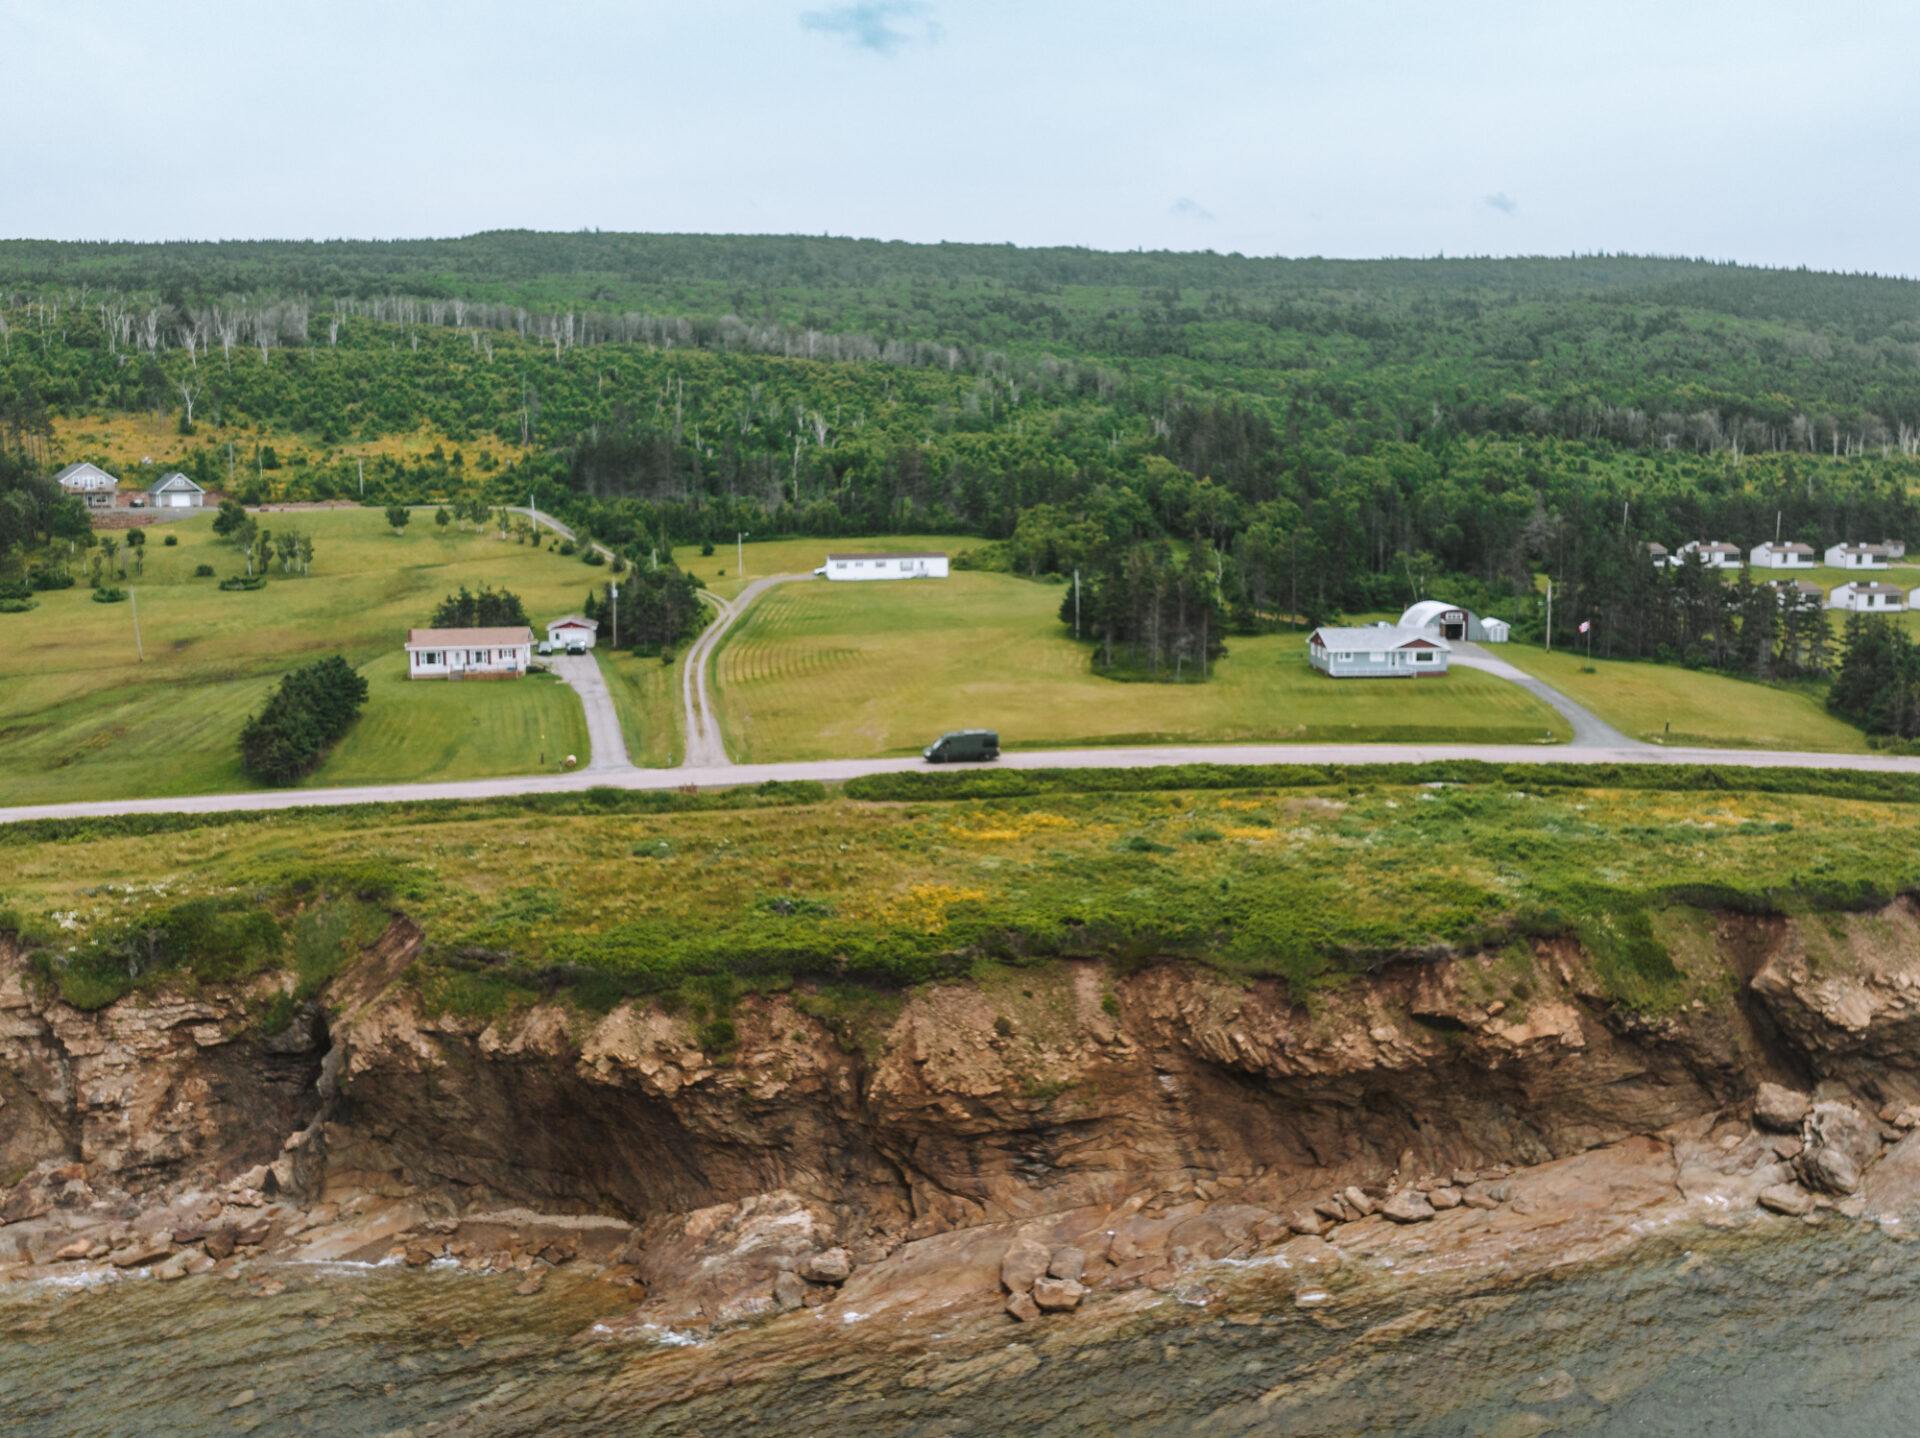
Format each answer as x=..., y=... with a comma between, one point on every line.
x=1771, y=133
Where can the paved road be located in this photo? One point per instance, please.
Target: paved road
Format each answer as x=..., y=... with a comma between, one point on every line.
x=608, y=752
x=839, y=769
x=1589, y=729
x=706, y=746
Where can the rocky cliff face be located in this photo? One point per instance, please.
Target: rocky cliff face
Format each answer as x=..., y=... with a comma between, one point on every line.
x=1078, y=1088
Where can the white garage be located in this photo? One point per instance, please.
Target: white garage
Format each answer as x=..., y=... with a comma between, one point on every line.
x=175, y=491
x=573, y=630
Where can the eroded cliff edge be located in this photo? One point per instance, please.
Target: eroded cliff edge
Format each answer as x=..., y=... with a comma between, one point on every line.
x=1157, y=1115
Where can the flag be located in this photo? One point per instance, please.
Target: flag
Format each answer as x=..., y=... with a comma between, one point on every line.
x=1585, y=625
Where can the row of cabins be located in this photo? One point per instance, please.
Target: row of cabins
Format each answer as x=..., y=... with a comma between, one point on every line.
x=1784, y=556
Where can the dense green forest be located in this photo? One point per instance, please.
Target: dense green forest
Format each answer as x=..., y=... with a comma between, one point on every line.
x=1318, y=436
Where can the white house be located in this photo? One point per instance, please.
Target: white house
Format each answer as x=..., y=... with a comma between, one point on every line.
x=1713, y=553
x=1782, y=556
x=1896, y=548
x=1659, y=555
x=1791, y=590
x=884, y=566
x=572, y=629
x=1857, y=556
x=1868, y=597
x=89, y=482
x=1450, y=621
x=175, y=491
x=1377, y=652
x=502, y=653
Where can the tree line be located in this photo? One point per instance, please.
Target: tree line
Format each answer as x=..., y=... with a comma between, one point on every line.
x=305, y=715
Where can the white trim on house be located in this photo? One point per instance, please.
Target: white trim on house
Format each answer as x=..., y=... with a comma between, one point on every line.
x=499, y=653
x=1377, y=652
x=926, y=565
x=573, y=629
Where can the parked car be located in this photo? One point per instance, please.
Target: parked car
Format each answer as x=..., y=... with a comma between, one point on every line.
x=545, y=648
x=964, y=746
x=576, y=649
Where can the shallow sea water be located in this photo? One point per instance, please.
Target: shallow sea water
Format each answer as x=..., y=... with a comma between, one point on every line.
x=1783, y=1333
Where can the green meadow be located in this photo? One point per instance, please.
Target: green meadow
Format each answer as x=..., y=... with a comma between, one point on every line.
x=84, y=716
x=820, y=670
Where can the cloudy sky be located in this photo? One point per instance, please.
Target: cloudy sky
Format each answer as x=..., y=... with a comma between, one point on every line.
x=1762, y=131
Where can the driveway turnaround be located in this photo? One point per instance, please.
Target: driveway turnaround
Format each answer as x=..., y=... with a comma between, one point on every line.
x=581, y=672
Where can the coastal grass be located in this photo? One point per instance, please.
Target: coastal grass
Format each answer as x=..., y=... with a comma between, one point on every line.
x=820, y=670
x=84, y=716
x=646, y=695
x=599, y=896
x=1692, y=708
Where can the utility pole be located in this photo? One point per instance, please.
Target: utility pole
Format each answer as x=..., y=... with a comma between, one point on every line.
x=358, y=460
x=133, y=598
x=740, y=553
x=1076, y=601
x=614, y=591
x=1549, y=616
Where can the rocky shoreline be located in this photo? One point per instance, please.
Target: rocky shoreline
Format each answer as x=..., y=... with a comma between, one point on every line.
x=1072, y=1149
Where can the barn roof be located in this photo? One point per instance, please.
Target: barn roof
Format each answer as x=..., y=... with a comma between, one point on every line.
x=478, y=638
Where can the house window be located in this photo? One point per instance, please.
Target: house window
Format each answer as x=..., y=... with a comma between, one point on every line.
x=1423, y=659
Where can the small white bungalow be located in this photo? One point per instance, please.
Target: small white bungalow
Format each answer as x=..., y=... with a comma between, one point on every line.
x=1713, y=553
x=1857, y=556
x=502, y=653
x=1377, y=652
x=1896, y=548
x=885, y=566
x=175, y=491
x=573, y=629
x=1450, y=621
x=1659, y=554
x=1868, y=597
x=88, y=482
x=1783, y=556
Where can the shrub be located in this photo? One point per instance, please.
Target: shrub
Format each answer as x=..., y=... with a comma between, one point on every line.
x=170, y=541
x=44, y=579
x=566, y=546
x=107, y=594
x=15, y=606
x=203, y=571
x=245, y=581
x=305, y=715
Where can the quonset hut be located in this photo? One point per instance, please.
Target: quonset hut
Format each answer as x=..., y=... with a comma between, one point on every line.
x=1450, y=621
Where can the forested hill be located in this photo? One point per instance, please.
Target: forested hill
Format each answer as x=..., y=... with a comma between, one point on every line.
x=1343, y=433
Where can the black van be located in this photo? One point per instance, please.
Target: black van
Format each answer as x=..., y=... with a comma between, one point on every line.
x=963, y=745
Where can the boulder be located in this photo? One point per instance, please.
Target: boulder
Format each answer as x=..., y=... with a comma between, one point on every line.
x=1331, y=1209
x=173, y=1270
x=831, y=1265
x=535, y=1280
x=1058, y=1295
x=79, y=1248
x=1309, y=1222
x=1787, y=1198
x=1780, y=1108
x=419, y=1256
x=1831, y=1170
x=1357, y=1201
x=1841, y=1126
x=144, y=1251
x=1068, y=1263
x=221, y=1242
x=1407, y=1206
x=789, y=1292
x=1444, y=1198
x=1026, y=1260
x=1022, y=1307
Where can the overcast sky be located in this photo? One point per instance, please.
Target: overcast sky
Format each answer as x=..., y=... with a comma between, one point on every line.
x=1760, y=131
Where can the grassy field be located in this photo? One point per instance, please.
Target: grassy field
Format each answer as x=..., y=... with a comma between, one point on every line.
x=818, y=670
x=1666, y=704
x=82, y=717
x=721, y=571
x=1305, y=881
x=647, y=695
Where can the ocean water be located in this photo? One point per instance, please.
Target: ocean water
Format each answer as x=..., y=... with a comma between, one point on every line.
x=1790, y=1332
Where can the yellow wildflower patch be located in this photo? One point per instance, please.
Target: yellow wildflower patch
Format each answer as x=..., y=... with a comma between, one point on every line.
x=1007, y=826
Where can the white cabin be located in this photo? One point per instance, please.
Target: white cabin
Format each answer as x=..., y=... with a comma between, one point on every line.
x=573, y=629
x=1659, y=555
x=885, y=566
x=1868, y=597
x=1783, y=556
x=502, y=653
x=1857, y=556
x=1377, y=652
x=1713, y=553
x=88, y=482
x=1793, y=591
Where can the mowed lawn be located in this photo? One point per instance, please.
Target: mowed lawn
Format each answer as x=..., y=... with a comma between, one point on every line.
x=1666, y=704
x=819, y=670
x=81, y=717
